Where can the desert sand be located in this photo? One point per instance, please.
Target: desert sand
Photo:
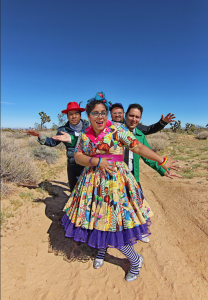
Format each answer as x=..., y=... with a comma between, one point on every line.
x=39, y=263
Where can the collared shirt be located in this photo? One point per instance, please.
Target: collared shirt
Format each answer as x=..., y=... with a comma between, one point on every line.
x=131, y=158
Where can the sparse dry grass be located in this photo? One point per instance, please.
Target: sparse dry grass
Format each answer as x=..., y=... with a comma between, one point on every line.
x=48, y=173
x=6, y=213
x=16, y=204
x=191, y=152
x=28, y=196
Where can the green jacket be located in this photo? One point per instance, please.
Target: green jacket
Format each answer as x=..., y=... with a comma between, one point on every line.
x=142, y=139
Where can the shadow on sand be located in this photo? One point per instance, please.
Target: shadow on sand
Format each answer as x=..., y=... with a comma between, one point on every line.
x=58, y=243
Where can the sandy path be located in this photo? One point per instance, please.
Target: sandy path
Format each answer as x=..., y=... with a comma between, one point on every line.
x=175, y=261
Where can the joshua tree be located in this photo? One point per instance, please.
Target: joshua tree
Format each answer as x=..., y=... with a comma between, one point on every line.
x=190, y=127
x=62, y=119
x=44, y=118
x=176, y=126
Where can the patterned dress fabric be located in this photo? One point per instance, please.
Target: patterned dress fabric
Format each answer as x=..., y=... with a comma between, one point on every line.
x=107, y=210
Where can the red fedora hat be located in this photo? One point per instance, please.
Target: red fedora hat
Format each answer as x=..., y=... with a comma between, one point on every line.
x=72, y=106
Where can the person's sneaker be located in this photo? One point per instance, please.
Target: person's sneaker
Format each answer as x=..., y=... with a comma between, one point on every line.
x=98, y=262
x=130, y=276
x=145, y=239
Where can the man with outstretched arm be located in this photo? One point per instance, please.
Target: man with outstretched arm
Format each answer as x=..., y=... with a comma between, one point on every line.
x=132, y=118
x=117, y=115
x=74, y=126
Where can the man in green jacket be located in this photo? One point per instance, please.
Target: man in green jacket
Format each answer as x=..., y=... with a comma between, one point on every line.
x=135, y=170
x=133, y=116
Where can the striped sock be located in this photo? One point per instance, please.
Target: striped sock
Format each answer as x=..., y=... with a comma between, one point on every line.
x=101, y=253
x=134, y=258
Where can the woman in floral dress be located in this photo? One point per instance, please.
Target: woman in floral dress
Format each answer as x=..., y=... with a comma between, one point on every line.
x=107, y=207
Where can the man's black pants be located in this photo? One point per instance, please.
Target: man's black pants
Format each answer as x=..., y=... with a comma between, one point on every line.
x=74, y=170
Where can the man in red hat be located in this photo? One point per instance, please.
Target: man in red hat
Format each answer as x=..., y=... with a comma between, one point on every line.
x=73, y=127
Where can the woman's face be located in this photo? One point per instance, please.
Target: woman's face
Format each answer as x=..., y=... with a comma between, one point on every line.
x=98, y=118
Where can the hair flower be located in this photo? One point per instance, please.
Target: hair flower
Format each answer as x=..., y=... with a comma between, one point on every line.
x=101, y=96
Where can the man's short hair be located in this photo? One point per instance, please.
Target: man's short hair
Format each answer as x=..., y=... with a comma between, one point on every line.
x=117, y=105
x=135, y=105
x=77, y=111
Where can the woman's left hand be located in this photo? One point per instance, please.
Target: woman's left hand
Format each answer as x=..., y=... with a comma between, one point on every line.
x=171, y=165
x=171, y=175
x=64, y=137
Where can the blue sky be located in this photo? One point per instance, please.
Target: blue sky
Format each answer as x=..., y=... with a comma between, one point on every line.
x=154, y=53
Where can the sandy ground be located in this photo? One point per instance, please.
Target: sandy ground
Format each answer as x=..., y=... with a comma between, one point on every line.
x=39, y=263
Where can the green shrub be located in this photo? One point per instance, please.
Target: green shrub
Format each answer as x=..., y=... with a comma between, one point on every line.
x=176, y=126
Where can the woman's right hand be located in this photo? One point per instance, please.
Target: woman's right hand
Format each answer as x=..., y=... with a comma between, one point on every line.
x=105, y=165
x=32, y=132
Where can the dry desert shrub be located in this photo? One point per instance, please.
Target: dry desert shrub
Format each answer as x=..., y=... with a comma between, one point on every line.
x=203, y=135
x=32, y=141
x=161, y=135
x=17, y=164
x=61, y=146
x=49, y=133
x=5, y=188
x=158, y=141
x=46, y=153
x=6, y=134
x=18, y=135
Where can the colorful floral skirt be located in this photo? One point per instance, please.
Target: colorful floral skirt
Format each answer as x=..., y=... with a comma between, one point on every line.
x=107, y=210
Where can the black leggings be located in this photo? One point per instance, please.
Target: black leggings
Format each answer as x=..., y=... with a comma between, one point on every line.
x=74, y=170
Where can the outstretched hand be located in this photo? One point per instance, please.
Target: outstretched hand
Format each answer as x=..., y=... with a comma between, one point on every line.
x=172, y=175
x=169, y=118
x=171, y=165
x=64, y=137
x=32, y=132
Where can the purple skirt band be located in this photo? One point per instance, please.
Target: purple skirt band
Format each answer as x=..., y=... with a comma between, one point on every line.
x=101, y=239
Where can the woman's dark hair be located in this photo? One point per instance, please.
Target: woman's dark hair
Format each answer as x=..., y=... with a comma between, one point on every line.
x=89, y=107
x=135, y=105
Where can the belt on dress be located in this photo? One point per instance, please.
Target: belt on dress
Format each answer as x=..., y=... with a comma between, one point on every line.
x=113, y=156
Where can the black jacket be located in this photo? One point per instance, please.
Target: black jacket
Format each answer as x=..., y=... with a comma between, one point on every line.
x=44, y=140
x=152, y=128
